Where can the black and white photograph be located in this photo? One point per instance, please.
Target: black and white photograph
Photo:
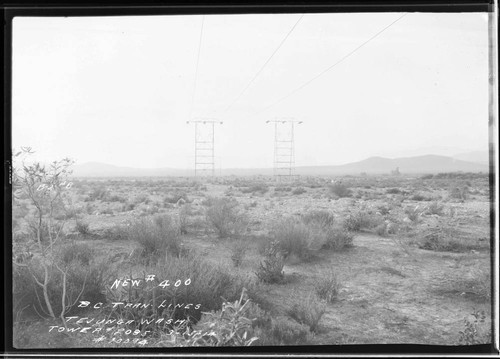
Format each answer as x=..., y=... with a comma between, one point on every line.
x=273, y=179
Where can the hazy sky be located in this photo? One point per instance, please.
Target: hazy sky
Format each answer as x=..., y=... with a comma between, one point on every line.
x=119, y=90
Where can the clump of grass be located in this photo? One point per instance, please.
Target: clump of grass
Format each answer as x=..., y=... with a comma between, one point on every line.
x=225, y=218
x=340, y=190
x=308, y=311
x=328, y=287
x=271, y=269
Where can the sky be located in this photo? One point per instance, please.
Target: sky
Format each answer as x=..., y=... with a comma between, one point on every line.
x=119, y=90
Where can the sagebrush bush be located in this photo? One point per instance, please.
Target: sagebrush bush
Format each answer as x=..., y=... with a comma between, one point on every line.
x=156, y=237
x=359, y=220
x=297, y=238
x=225, y=217
x=328, y=287
x=338, y=238
x=308, y=310
x=271, y=269
x=340, y=190
x=321, y=217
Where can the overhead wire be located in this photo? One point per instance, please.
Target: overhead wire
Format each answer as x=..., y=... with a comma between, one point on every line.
x=328, y=69
x=264, y=65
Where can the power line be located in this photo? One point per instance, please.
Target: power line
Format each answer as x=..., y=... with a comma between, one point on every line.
x=197, y=64
x=329, y=68
x=264, y=65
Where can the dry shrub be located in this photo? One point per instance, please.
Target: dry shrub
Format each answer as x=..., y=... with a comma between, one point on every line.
x=338, y=238
x=238, y=250
x=282, y=331
x=340, y=190
x=224, y=216
x=447, y=239
x=308, y=310
x=156, y=237
x=271, y=269
x=328, y=287
x=360, y=220
x=320, y=217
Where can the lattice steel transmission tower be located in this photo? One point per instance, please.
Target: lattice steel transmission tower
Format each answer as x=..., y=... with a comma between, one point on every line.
x=204, y=146
x=284, y=148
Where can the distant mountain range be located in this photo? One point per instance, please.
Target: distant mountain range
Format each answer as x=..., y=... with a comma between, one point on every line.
x=466, y=162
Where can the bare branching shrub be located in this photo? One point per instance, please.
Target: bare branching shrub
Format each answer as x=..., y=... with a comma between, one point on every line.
x=46, y=189
x=271, y=269
x=328, y=287
x=225, y=217
x=308, y=310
